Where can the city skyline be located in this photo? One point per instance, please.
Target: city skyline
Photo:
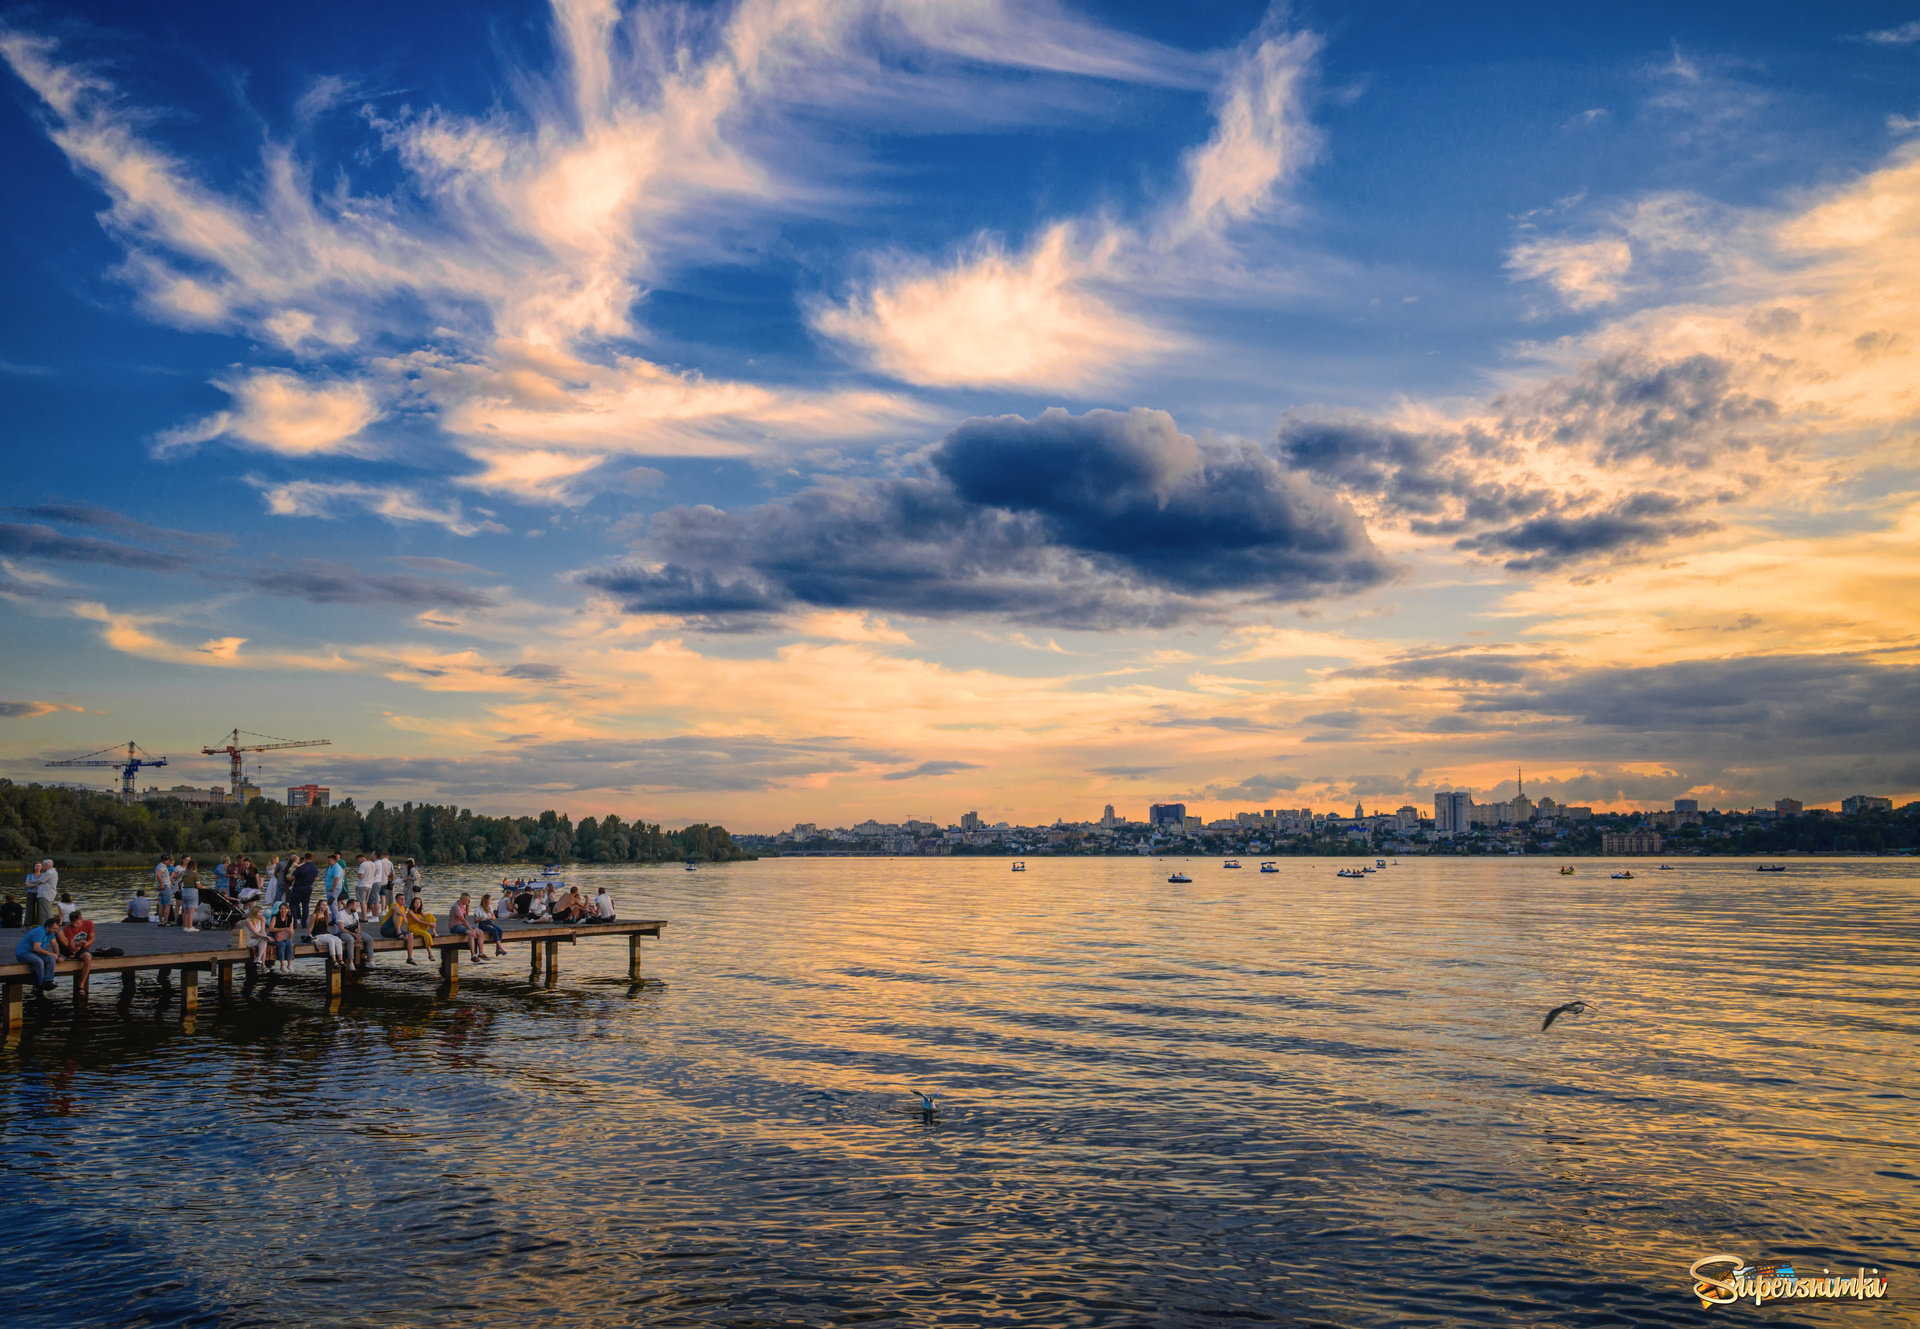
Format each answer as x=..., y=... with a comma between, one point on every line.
x=762, y=414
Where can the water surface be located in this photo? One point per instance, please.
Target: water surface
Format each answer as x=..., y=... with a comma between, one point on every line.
x=1278, y=1099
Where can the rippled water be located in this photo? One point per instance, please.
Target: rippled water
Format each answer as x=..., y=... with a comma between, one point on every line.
x=1252, y=1099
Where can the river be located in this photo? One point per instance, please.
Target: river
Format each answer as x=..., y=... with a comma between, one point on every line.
x=1253, y=1099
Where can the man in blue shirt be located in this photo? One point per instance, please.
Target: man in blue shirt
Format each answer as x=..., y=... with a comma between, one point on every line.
x=335, y=882
x=39, y=952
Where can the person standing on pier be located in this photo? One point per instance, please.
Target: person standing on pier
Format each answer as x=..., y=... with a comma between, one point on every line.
x=334, y=883
x=363, y=883
x=43, y=883
x=189, y=896
x=300, y=893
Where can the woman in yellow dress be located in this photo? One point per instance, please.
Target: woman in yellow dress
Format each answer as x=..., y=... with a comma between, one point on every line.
x=410, y=922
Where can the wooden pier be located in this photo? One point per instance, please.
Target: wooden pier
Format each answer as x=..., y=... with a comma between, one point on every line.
x=170, y=951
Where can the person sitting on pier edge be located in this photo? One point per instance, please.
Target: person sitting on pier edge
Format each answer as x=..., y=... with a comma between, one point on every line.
x=76, y=943
x=408, y=922
x=280, y=933
x=324, y=935
x=139, y=908
x=462, y=923
x=12, y=914
x=39, y=950
x=256, y=935
x=348, y=926
x=488, y=922
x=603, y=906
x=572, y=908
x=523, y=901
x=189, y=897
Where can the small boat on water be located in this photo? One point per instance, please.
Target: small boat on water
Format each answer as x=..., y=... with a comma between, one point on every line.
x=1771, y=867
x=1623, y=876
x=1666, y=867
x=1380, y=862
x=1349, y=872
x=689, y=865
x=1231, y=863
x=1180, y=876
x=1269, y=867
x=551, y=870
x=1021, y=866
x=1566, y=872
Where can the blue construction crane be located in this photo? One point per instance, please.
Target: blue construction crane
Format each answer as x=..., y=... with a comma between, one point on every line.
x=129, y=765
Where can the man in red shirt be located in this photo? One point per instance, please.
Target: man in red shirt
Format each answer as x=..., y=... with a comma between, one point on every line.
x=76, y=943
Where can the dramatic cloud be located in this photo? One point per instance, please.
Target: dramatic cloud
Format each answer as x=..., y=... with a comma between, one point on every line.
x=1454, y=664
x=1097, y=520
x=1584, y=272
x=1645, y=521
x=342, y=583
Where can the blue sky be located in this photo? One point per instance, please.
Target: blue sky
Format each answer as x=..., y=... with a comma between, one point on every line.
x=804, y=411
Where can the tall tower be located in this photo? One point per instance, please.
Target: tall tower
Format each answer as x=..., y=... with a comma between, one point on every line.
x=1519, y=783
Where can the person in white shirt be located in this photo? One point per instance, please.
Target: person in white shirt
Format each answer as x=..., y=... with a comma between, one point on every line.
x=603, y=905
x=66, y=906
x=44, y=884
x=383, y=878
x=363, y=883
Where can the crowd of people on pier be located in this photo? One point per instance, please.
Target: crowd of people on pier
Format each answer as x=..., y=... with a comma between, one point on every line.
x=287, y=900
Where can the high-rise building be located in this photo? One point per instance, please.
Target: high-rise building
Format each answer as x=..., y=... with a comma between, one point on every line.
x=1861, y=803
x=1452, y=812
x=1686, y=805
x=1107, y=820
x=1171, y=815
x=1630, y=842
x=970, y=821
x=1789, y=807
x=309, y=796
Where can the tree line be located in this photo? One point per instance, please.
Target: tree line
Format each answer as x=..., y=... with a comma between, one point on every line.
x=40, y=820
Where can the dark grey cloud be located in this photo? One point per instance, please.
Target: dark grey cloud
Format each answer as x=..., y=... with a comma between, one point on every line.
x=1751, y=705
x=1626, y=407
x=105, y=519
x=1255, y=787
x=928, y=768
x=1460, y=664
x=451, y=565
x=26, y=710
x=1683, y=415
x=1337, y=719
x=342, y=583
x=1096, y=521
x=529, y=774
x=1636, y=524
x=37, y=541
x=1234, y=724
x=534, y=671
x=1128, y=772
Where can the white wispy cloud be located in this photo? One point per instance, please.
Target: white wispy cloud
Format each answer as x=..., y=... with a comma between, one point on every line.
x=395, y=503
x=276, y=411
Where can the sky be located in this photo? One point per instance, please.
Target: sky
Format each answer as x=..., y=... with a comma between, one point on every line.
x=813, y=410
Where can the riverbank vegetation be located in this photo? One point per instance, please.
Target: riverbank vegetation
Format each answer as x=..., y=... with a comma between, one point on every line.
x=39, y=820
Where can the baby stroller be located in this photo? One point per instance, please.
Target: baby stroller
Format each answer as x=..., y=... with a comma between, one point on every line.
x=223, y=911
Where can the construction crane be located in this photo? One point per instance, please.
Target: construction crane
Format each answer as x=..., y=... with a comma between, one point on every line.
x=129, y=765
x=233, y=747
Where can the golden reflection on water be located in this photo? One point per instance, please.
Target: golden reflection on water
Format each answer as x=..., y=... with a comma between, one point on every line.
x=1157, y=1101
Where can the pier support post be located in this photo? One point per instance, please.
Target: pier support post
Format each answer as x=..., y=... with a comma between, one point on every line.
x=127, y=984
x=553, y=962
x=333, y=979
x=189, y=989
x=225, y=977
x=450, y=968
x=633, y=958
x=533, y=951
x=16, y=1005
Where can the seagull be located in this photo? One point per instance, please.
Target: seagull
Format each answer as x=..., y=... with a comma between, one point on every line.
x=927, y=1104
x=1571, y=1008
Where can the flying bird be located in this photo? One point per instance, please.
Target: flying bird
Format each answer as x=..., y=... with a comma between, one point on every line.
x=1571, y=1008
